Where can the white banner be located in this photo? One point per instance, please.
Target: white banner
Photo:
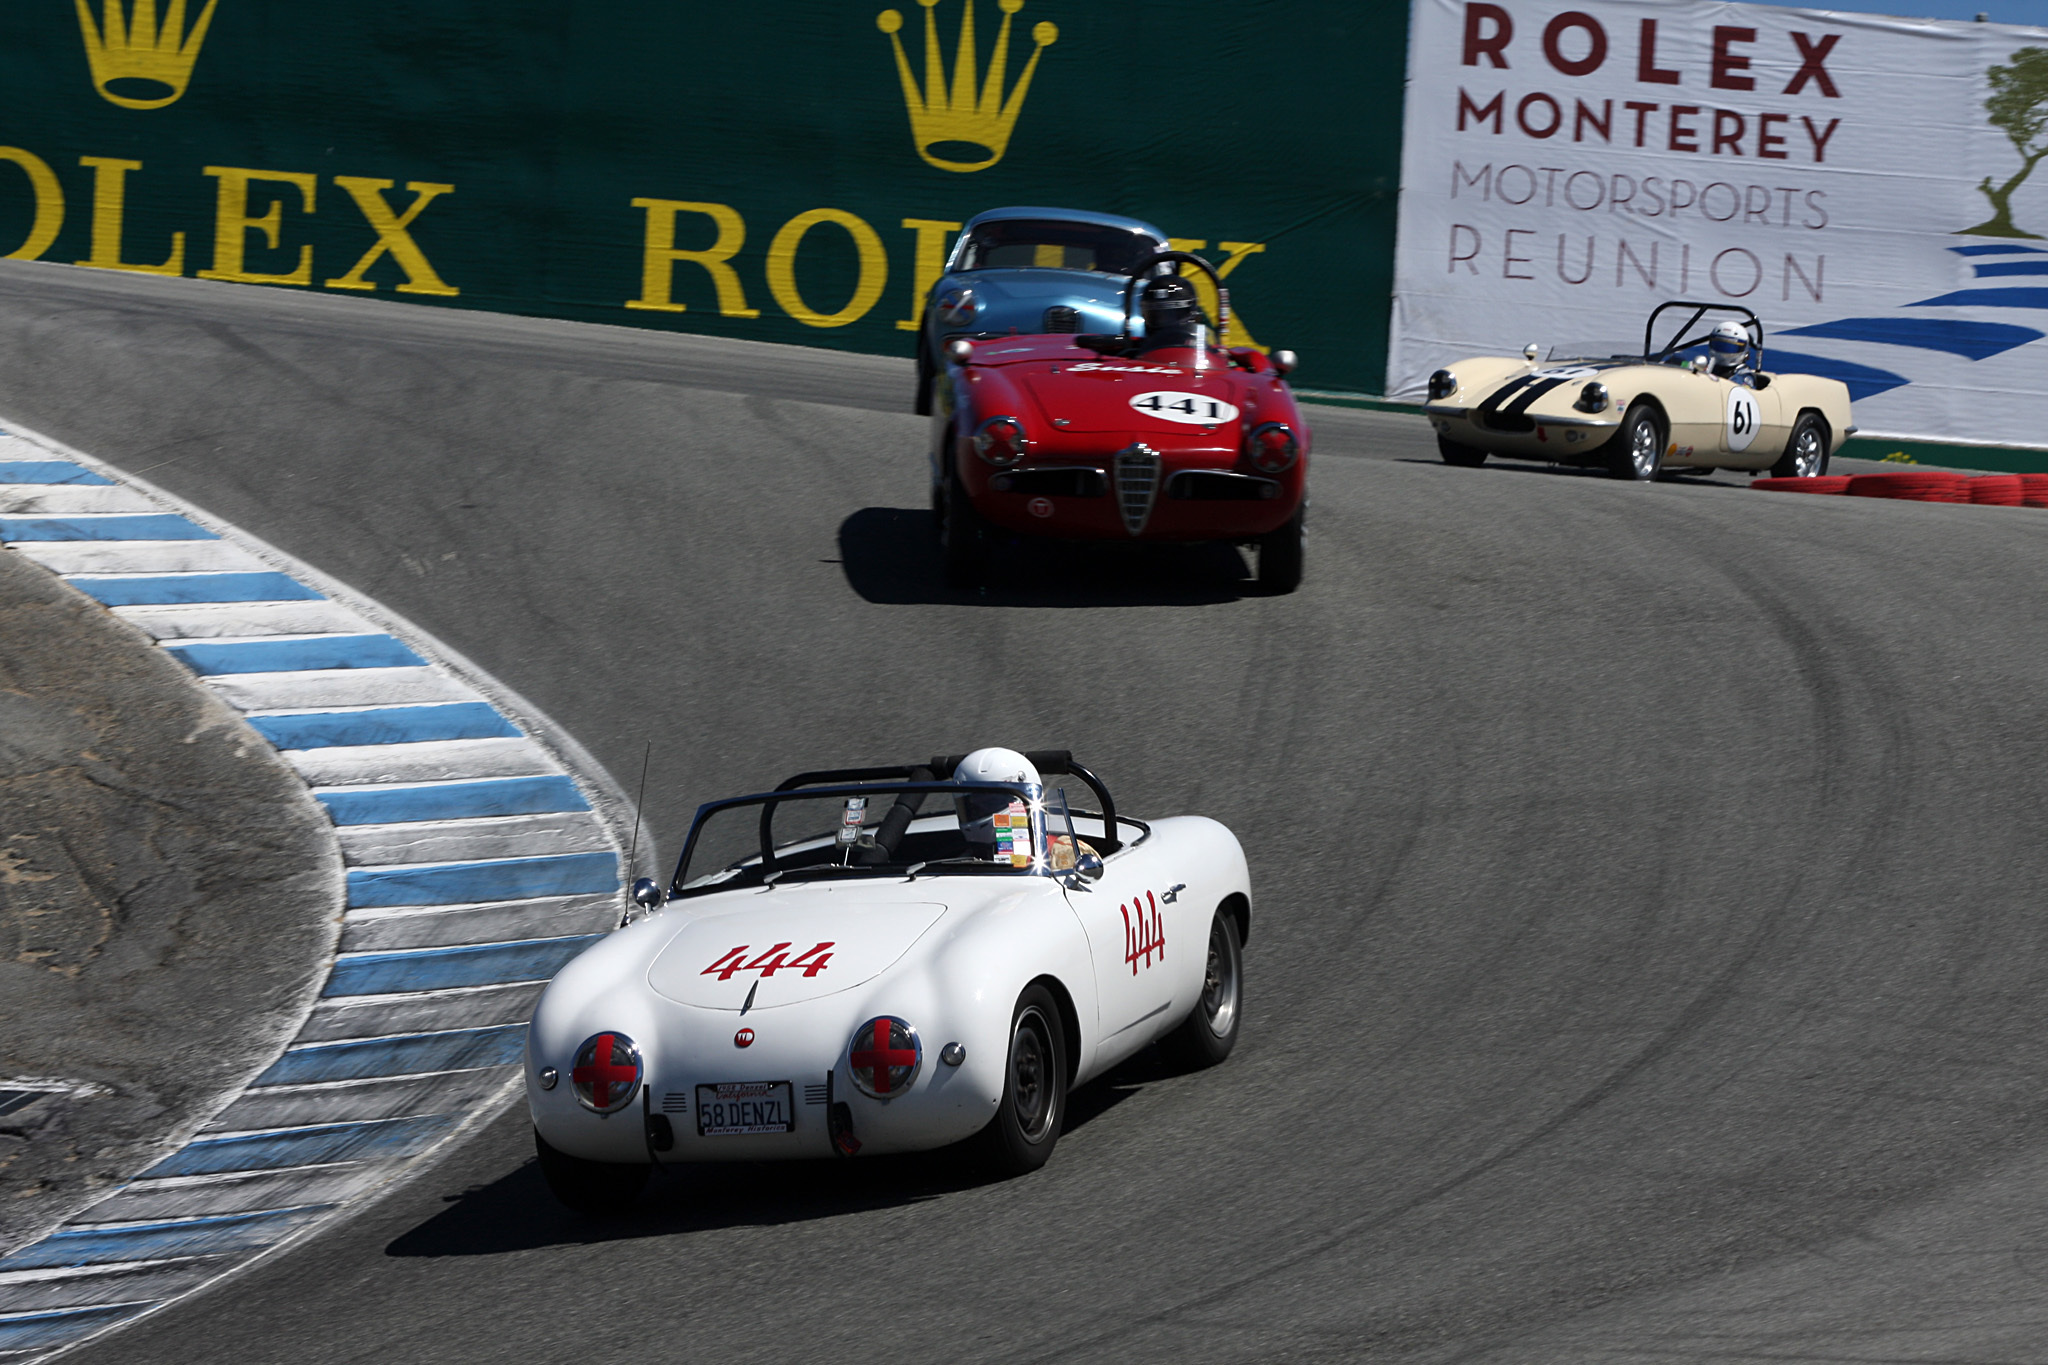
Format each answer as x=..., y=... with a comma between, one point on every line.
x=1862, y=183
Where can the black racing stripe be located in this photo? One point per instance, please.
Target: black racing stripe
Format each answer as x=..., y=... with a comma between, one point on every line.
x=1531, y=394
x=1493, y=399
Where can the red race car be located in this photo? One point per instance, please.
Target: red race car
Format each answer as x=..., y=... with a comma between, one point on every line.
x=1152, y=434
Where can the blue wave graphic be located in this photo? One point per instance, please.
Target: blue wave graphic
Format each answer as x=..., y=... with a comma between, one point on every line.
x=1975, y=340
x=1863, y=380
x=1987, y=298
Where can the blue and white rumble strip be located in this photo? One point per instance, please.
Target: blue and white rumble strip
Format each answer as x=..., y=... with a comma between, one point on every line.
x=476, y=866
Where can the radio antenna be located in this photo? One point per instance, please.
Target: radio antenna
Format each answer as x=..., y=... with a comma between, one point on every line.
x=632, y=857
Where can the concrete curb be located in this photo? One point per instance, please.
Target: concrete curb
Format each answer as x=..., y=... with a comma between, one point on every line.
x=481, y=852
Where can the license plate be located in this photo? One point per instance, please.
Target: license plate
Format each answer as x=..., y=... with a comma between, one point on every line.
x=737, y=1107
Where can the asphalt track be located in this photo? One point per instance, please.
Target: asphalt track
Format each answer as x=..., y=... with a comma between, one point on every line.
x=1648, y=955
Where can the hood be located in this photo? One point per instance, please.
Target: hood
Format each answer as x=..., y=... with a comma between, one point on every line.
x=787, y=948
x=1155, y=401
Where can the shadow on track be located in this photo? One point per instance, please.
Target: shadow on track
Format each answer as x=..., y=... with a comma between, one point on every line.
x=516, y=1212
x=1680, y=475
x=891, y=557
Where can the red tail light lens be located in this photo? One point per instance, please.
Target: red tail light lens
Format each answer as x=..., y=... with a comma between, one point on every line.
x=606, y=1074
x=1001, y=442
x=1272, y=447
x=885, y=1057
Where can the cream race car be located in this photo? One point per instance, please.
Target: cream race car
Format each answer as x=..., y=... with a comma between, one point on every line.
x=886, y=960
x=1696, y=403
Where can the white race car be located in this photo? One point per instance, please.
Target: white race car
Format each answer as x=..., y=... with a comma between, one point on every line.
x=886, y=960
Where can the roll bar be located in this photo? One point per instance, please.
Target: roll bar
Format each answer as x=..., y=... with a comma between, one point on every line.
x=1049, y=762
x=1700, y=310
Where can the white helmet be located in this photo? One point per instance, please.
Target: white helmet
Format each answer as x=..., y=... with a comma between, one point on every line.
x=1728, y=344
x=978, y=813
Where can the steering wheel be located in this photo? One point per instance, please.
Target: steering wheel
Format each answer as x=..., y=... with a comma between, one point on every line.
x=1143, y=272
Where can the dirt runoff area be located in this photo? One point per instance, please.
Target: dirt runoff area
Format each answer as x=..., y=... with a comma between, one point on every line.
x=170, y=896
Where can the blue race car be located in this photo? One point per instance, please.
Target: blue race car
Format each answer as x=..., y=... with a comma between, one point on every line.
x=1032, y=271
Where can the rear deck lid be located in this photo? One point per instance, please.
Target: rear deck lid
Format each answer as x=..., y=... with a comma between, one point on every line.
x=786, y=948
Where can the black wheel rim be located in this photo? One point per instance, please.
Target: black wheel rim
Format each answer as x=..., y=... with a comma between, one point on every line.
x=1034, y=1090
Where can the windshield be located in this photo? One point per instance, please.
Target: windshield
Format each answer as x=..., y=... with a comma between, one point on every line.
x=1025, y=243
x=875, y=829
x=1592, y=350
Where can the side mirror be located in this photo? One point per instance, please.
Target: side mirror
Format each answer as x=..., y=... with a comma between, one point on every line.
x=1531, y=351
x=960, y=350
x=1284, y=361
x=1089, y=866
x=647, y=895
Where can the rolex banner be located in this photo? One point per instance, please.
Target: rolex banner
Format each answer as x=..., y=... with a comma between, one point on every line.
x=789, y=171
x=1866, y=185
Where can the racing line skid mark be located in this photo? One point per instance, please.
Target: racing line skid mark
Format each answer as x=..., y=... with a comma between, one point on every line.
x=476, y=863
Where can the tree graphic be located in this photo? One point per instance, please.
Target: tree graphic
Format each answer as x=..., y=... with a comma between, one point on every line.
x=2019, y=107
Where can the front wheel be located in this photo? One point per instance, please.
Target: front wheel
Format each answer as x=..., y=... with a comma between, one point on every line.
x=589, y=1187
x=1806, y=450
x=1459, y=454
x=1209, y=1032
x=963, y=537
x=1033, y=1106
x=1281, y=554
x=1636, y=451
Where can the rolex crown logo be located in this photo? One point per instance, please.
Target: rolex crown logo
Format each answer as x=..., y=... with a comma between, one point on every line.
x=136, y=62
x=963, y=128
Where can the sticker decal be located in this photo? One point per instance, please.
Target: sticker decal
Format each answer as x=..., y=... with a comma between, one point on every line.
x=1191, y=409
x=1742, y=418
x=1013, y=835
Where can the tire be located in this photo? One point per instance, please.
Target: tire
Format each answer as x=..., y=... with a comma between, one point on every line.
x=592, y=1188
x=922, y=404
x=1806, y=450
x=1463, y=456
x=963, y=537
x=1281, y=554
x=1636, y=450
x=1033, y=1107
x=1209, y=1032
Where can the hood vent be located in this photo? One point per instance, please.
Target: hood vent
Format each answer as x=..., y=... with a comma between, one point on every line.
x=1137, y=485
x=1060, y=318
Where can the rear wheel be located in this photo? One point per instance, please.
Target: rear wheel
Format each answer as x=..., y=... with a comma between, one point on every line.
x=1636, y=451
x=1209, y=1032
x=1281, y=554
x=1806, y=450
x=590, y=1187
x=1463, y=456
x=1033, y=1107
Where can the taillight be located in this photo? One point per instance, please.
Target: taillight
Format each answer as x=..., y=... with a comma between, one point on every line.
x=1272, y=447
x=885, y=1057
x=1000, y=441
x=607, y=1072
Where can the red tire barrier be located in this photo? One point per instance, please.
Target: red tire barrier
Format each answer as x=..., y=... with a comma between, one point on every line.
x=2034, y=490
x=1826, y=483
x=1996, y=490
x=1919, y=485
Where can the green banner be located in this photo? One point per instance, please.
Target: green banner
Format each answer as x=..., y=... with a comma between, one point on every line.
x=788, y=172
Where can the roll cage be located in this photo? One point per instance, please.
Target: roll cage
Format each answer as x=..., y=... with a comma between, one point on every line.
x=911, y=784
x=1679, y=342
